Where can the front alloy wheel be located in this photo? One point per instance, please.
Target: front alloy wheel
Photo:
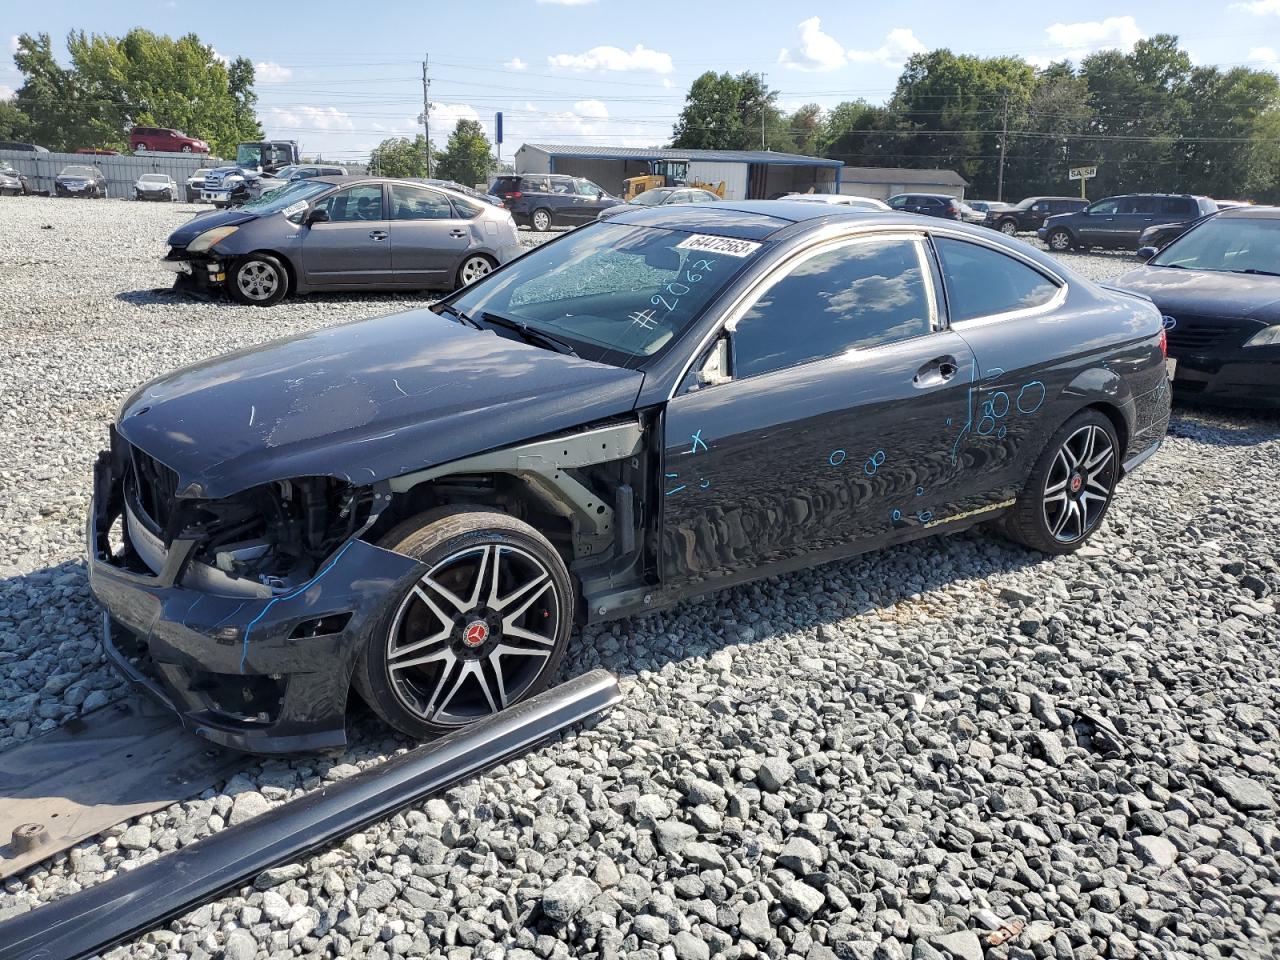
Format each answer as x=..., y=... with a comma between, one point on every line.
x=258, y=280
x=1008, y=228
x=1070, y=487
x=473, y=268
x=1060, y=241
x=482, y=628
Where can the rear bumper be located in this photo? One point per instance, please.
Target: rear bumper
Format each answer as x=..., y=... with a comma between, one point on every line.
x=259, y=674
x=1240, y=377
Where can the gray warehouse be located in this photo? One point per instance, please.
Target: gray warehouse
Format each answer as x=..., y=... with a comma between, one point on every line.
x=746, y=174
x=881, y=183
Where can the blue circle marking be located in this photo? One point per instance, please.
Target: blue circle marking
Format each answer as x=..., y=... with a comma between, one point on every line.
x=986, y=425
x=996, y=399
x=924, y=516
x=1031, y=396
x=836, y=458
x=919, y=491
x=1002, y=431
x=878, y=458
x=896, y=515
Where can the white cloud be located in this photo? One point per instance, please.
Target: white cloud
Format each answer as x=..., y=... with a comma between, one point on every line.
x=515, y=63
x=445, y=116
x=817, y=51
x=269, y=72
x=592, y=109
x=1260, y=8
x=615, y=58
x=221, y=58
x=899, y=43
x=6, y=92
x=1077, y=40
x=1264, y=55
x=312, y=118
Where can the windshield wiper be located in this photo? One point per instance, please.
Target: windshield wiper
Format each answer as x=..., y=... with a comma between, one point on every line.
x=531, y=334
x=1254, y=271
x=454, y=312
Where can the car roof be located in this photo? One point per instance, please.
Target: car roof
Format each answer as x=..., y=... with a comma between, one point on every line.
x=1249, y=213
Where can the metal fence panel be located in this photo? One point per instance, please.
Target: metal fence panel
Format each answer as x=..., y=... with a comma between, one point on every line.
x=121, y=171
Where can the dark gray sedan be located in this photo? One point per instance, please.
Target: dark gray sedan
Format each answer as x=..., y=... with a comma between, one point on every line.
x=342, y=233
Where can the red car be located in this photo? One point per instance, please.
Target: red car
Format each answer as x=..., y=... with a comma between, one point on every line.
x=165, y=139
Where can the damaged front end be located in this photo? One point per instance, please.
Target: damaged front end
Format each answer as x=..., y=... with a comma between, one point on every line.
x=243, y=613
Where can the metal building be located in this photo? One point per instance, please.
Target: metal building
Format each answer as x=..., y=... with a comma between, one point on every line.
x=747, y=174
x=884, y=182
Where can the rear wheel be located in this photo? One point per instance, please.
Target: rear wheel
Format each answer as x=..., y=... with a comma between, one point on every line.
x=1059, y=241
x=542, y=220
x=483, y=628
x=473, y=268
x=1070, y=488
x=258, y=280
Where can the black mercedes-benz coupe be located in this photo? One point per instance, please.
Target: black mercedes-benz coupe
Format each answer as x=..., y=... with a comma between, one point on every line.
x=1218, y=288
x=424, y=505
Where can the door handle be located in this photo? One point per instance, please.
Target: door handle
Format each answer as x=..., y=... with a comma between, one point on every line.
x=457, y=233
x=937, y=371
x=377, y=234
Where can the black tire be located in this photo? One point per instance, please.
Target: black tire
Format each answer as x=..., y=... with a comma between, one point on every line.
x=258, y=279
x=458, y=674
x=1067, y=496
x=1008, y=227
x=1060, y=240
x=541, y=220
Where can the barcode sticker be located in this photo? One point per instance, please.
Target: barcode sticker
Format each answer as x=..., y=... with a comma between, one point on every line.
x=729, y=246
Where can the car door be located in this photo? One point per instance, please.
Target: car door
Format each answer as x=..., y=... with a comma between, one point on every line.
x=1097, y=222
x=997, y=301
x=832, y=432
x=594, y=198
x=1134, y=215
x=428, y=239
x=1036, y=214
x=564, y=202
x=353, y=246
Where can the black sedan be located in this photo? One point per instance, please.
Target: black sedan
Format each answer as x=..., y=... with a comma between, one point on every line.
x=80, y=180
x=424, y=505
x=1218, y=287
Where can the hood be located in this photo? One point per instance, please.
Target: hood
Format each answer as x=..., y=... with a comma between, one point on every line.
x=207, y=221
x=1207, y=293
x=365, y=401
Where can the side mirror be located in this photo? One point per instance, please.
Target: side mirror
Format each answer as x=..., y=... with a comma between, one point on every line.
x=317, y=215
x=1146, y=253
x=600, y=195
x=715, y=369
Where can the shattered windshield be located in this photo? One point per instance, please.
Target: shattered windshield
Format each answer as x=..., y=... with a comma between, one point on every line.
x=616, y=293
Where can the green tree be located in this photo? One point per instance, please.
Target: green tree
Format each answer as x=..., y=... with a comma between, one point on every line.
x=399, y=157
x=143, y=78
x=727, y=112
x=466, y=158
x=14, y=124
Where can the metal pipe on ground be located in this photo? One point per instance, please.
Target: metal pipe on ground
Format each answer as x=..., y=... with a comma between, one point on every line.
x=129, y=904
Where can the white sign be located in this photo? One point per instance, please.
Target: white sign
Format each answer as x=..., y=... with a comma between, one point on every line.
x=730, y=246
x=1082, y=173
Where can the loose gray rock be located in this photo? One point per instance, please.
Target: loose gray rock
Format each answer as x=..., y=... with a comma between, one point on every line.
x=565, y=898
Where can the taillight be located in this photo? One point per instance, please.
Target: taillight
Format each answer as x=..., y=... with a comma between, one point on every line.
x=1164, y=343
x=513, y=195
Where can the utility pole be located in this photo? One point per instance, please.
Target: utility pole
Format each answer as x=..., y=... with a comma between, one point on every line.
x=1004, y=137
x=763, y=101
x=426, y=109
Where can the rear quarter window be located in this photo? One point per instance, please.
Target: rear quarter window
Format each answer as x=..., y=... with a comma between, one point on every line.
x=982, y=282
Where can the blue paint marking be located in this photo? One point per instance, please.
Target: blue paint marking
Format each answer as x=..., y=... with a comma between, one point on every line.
x=896, y=515
x=697, y=442
x=244, y=652
x=704, y=484
x=973, y=378
x=924, y=516
x=993, y=373
x=1031, y=396
x=948, y=421
x=919, y=491
x=836, y=458
x=1001, y=432
x=986, y=425
x=672, y=476
x=999, y=408
x=874, y=463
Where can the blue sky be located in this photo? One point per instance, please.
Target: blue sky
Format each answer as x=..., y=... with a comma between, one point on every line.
x=341, y=77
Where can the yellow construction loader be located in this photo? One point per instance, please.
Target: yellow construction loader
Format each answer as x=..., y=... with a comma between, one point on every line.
x=667, y=173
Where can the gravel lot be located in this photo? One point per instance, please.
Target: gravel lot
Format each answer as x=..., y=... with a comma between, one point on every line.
x=867, y=761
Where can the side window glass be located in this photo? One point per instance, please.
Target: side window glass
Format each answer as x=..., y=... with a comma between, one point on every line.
x=857, y=295
x=354, y=203
x=466, y=209
x=982, y=282
x=1104, y=207
x=417, y=203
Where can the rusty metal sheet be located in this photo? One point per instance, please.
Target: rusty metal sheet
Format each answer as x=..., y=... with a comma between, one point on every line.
x=126, y=759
